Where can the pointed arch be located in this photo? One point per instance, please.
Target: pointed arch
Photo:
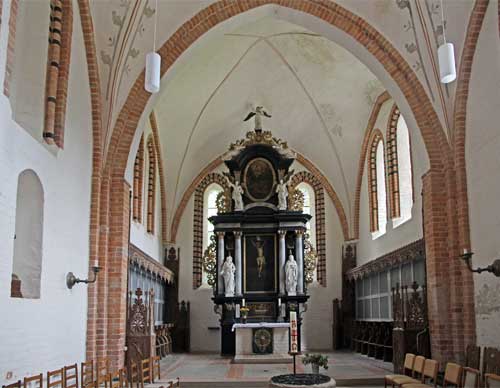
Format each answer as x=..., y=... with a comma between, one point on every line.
x=376, y=184
x=137, y=187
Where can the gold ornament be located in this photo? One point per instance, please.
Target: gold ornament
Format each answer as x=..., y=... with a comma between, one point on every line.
x=310, y=259
x=259, y=137
x=295, y=200
x=223, y=202
x=209, y=262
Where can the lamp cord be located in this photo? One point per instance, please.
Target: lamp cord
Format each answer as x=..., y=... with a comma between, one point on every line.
x=442, y=20
x=156, y=22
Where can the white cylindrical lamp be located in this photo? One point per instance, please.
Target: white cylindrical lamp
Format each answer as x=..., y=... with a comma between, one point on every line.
x=152, y=77
x=447, y=68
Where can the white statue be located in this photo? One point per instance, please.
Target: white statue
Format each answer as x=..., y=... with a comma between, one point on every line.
x=258, y=113
x=228, y=271
x=291, y=272
x=282, y=191
x=237, y=196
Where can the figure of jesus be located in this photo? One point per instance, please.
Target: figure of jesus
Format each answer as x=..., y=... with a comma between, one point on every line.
x=261, y=259
x=228, y=270
x=282, y=195
x=237, y=196
x=291, y=271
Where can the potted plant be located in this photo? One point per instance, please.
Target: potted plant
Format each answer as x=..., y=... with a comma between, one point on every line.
x=316, y=361
x=244, y=313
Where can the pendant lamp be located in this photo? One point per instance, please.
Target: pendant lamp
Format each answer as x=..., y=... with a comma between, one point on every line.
x=153, y=64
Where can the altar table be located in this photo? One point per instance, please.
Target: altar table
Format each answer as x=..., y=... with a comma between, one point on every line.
x=244, y=338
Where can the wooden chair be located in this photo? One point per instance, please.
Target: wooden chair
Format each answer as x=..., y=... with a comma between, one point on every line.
x=452, y=375
x=145, y=372
x=407, y=369
x=431, y=369
x=155, y=368
x=417, y=374
x=133, y=375
x=55, y=378
x=71, y=376
x=116, y=379
x=102, y=372
x=470, y=378
x=30, y=382
x=87, y=374
x=492, y=380
x=17, y=384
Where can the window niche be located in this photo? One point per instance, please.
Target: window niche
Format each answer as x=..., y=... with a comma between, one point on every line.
x=27, y=261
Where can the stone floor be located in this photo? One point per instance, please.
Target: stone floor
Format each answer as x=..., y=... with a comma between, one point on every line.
x=211, y=370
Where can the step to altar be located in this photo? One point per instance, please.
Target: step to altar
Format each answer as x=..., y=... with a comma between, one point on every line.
x=262, y=359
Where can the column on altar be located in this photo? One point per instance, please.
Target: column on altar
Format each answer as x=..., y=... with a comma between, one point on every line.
x=299, y=252
x=220, y=262
x=237, y=262
x=282, y=260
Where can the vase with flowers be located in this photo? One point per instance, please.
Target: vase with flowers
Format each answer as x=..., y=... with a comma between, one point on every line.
x=244, y=313
x=316, y=361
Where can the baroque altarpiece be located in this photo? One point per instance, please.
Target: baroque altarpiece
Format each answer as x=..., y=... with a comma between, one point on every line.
x=260, y=229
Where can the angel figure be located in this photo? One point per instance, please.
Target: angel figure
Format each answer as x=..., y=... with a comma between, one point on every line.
x=258, y=113
x=237, y=194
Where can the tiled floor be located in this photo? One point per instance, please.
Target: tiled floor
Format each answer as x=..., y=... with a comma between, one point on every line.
x=345, y=367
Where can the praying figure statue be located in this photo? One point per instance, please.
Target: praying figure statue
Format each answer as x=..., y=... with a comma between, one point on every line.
x=282, y=191
x=228, y=271
x=291, y=274
x=237, y=196
x=261, y=259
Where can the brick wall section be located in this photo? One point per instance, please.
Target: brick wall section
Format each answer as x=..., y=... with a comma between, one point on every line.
x=161, y=172
x=319, y=219
x=392, y=163
x=11, y=46
x=372, y=179
x=198, y=221
x=138, y=182
x=151, y=188
x=64, y=65
x=362, y=157
x=52, y=74
x=439, y=238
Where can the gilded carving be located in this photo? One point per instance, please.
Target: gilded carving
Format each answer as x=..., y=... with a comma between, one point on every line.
x=209, y=262
x=310, y=259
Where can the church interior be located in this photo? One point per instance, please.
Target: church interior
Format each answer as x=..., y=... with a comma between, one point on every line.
x=249, y=193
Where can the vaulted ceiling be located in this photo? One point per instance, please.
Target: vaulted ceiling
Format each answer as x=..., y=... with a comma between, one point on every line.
x=319, y=94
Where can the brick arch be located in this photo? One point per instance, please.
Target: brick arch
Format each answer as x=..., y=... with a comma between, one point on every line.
x=376, y=138
x=198, y=232
x=392, y=163
x=319, y=218
x=151, y=185
x=443, y=269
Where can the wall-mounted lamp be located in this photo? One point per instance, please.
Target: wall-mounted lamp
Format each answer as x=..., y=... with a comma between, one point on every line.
x=71, y=279
x=493, y=268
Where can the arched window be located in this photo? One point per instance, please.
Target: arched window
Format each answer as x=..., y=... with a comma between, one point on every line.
x=151, y=186
x=138, y=182
x=376, y=186
x=399, y=169
x=209, y=210
x=27, y=262
x=309, y=208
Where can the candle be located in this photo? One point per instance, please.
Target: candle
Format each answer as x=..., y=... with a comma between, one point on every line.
x=465, y=251
x=279, y=302
x=243, y=302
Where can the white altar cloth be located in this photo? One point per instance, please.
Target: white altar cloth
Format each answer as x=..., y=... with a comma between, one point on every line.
x=259, y=324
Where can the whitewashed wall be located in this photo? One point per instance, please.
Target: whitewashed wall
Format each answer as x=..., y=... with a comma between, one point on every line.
x=483, y=179
x=37, y=335
x=394, y=238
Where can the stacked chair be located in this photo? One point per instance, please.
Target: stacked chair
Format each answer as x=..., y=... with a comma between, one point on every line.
x=143, y=374
x=419, y=372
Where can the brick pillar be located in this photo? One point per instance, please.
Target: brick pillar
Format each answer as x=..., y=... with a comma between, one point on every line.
x=450, y=290
x=116, y=269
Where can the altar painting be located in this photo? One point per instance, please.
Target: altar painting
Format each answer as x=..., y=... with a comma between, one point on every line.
x=260, y=267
